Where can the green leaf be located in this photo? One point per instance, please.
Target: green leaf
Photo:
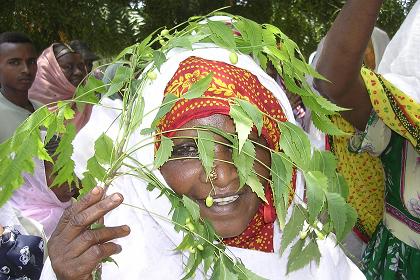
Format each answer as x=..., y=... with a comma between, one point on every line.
x=222, y=35
x=186, y=42
x=339, y=211
x=95, y=169
x=309, y=253
x=164, y=152
x=251, y=32
x=246, y=274
x=316, y=186
x=281, y=176
x=351, y=220
x=64, y=165
x=199, y=87
x=253, y=112
x=16, y=162
x=103, y=149
x=88, y=183
x=293, y=226
x=221, y=270
x=244, y=161
x=328, y=105
x=186, y=242
x=194, y=261
x=109, y=259
x=324, y=124
x=122, y=75
x=137, y=112
x=179, y=216
x=295, y=144
x=192, y=207
x=97, y=226
x=295, y=252
x=243, y=123
x=146, y=131
x=256, y=186
x=206, y=148
x=325, y=162
x=167, y=104
x=158, y=58
x=338, y=184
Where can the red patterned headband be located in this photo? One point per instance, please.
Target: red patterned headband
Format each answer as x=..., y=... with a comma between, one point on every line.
x=228, y=82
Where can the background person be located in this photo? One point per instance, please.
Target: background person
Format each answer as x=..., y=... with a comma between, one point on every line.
x=385, y=111
x=60, y=71
x=17, y=72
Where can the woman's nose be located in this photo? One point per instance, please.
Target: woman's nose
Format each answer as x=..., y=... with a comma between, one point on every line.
x=223, y=175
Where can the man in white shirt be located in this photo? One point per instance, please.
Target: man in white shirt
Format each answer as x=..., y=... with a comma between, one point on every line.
x=17, y=72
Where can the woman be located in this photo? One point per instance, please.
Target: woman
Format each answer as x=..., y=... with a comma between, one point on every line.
x=60, y=71
x=362, y=171
x=386, y=114
x=246, y=223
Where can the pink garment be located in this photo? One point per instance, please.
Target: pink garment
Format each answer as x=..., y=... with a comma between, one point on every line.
x=50, y=85
x=35, y=200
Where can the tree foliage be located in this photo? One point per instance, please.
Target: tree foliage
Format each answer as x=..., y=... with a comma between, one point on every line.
x=109, y=26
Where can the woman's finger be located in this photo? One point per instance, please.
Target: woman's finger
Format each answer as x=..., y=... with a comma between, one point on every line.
x=90, y=238
x=90, y=259
x=80, y=221
x=88, y=200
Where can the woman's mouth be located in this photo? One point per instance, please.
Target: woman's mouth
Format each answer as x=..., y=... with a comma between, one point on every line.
x=221, y=201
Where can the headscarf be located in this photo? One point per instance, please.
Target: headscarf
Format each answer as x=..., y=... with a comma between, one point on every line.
x=37, y=201
x=227, y=83
x=50, y=85
x=380, y=41
x=400, y=64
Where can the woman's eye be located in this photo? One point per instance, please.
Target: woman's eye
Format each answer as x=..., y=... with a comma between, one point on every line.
x=185, y=150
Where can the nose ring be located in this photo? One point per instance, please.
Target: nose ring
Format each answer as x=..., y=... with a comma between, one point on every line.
x=212, y=175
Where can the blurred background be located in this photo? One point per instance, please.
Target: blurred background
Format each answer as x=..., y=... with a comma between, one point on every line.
x=109, y=26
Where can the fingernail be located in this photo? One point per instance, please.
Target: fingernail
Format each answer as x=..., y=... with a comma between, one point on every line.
x=126, y=228
x=119, y=248
x=96, y=191
x=116, y=197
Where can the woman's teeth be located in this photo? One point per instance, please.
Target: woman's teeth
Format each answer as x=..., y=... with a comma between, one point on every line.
x=225, y=200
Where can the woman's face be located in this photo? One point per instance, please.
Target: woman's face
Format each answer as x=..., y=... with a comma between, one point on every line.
x=73, y=67
x=187, y=176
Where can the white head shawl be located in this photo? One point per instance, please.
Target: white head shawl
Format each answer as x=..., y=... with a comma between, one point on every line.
x=148, y=252
x=401, y=61
x=380, y=41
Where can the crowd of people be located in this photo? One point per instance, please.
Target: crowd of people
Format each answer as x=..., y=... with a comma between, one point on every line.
x=376, y=78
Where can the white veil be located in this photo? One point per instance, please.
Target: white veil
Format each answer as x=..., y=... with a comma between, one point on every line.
x=401, y=61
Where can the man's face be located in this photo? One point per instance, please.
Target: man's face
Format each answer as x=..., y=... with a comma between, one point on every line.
x=17, y=66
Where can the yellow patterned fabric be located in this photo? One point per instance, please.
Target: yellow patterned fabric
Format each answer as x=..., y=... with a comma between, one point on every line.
x=396, y=109
x=365, y=177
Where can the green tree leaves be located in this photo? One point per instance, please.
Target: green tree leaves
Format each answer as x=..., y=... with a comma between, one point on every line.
x=206, y=147
x=199, y=87
x=243, y=124
x=164, y=152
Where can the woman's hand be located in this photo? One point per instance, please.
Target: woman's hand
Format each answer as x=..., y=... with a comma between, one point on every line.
x=76, y=250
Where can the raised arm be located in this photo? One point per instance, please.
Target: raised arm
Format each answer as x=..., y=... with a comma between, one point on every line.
x=342, y=56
